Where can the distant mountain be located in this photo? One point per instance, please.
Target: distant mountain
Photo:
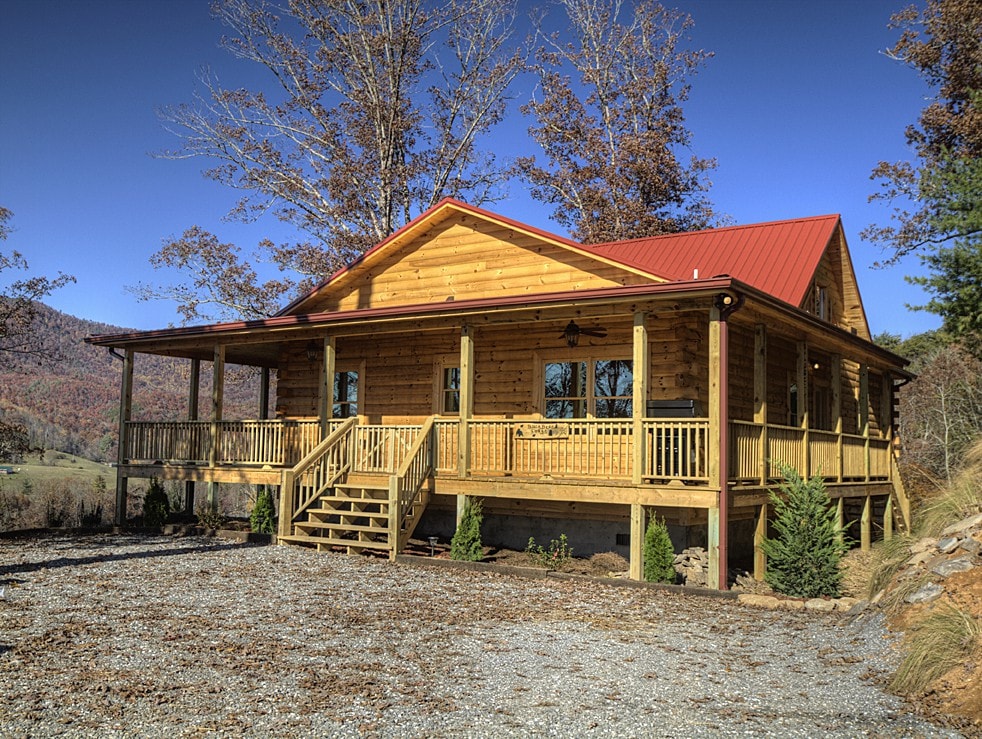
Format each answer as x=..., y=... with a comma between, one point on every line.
x=71, y=402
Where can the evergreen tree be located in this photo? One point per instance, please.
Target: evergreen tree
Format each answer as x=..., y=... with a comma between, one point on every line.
x=156, y=505
x=466, y=542
x=803, y=561
x=262, y=520
x=659, y=554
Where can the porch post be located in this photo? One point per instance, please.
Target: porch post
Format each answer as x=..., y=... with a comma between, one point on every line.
x=637, y=542
x=325, y=410
x=466, y=408
x=864, y=415
x=264, y=393
x=125, y=410
x=217, y=401
x=639, y=398
x=760, y=398
x=801, y=380
x=836, y=380
x=194, y=387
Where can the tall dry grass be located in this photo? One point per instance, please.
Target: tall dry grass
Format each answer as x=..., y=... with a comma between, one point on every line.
x=956, y=501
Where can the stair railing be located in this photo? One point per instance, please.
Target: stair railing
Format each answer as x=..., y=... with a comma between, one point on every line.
x=304, y=483
x=408, y=484
x=900, y=492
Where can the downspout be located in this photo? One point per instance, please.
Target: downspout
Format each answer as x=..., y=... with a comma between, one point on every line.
x=727, y=305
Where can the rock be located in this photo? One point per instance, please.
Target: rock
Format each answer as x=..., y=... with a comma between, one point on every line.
x=820, y=604
x=926, y=594
x=922, y=545
x=972, y=546
x=951, y=566
x=790, y=605
x=948, y=544
x=846, y=604
x=964, y=525
x=760, y=601
x=858, y=607
x=919, y=559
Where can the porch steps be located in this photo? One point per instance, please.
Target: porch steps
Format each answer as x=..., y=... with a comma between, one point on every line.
x=353, y=515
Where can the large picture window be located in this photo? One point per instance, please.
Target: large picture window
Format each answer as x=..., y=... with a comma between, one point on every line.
x=591, y=388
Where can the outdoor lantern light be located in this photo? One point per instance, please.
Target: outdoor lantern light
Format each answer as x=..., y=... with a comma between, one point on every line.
x=572, y=334
x=433, y=540
x=312, y=351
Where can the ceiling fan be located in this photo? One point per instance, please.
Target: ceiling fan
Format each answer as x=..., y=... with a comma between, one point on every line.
x=572, y=333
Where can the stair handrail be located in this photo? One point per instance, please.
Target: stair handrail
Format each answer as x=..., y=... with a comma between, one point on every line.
x=900, y=491
x=415, y=470
x=292, y=476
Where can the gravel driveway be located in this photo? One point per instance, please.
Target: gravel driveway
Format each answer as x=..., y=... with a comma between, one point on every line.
x=186, y=637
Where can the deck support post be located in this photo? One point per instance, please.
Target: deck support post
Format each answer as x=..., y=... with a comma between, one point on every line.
x=217, y=403
x=125, y=410
x=639, y=395
x=284, y=525
x=760, y=533
x=193, y=391
x=866, y=525
x=636, y=571
x=888, y=519
x=713, y=579
x=840, y=518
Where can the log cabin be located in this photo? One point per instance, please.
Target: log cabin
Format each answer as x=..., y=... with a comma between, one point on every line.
x=572, y=388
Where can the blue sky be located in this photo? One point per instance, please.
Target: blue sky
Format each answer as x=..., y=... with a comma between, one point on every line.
x=798, y=105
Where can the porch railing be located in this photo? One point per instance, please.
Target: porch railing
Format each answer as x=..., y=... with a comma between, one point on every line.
x=275, y=442
x=674, y=449
x=756, y=450
x=408, y=486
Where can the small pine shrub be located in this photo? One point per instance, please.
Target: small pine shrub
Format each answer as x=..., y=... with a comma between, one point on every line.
x=803, y=561
x=659, y=554
x=466, y=542
x=89, y=518
x=558, y=553
x=210, y=519
x=156, y=505
x=262, y=520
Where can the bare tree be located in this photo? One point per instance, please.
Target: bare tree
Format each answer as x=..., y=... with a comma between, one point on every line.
x=374, y=114
x=609, y=120
x=19, y=299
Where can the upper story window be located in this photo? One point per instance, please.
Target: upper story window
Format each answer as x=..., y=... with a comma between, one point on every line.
x=590, y=388
x=822, y=302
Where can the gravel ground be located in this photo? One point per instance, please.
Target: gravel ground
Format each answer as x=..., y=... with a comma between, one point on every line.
x=156, y=636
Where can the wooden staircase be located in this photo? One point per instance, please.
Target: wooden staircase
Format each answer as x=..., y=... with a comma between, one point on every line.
x=353, y=511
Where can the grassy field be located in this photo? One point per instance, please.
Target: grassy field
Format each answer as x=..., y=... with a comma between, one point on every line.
x=58, y=466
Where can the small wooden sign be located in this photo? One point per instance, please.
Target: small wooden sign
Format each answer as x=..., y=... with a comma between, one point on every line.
x=542, y=431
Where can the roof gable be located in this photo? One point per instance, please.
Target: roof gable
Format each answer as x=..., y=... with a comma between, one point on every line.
x=458, y=252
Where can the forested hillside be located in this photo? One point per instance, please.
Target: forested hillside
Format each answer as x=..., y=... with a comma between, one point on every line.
x=71, y=401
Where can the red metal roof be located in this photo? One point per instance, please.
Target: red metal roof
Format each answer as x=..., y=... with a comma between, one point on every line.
x=778, y=258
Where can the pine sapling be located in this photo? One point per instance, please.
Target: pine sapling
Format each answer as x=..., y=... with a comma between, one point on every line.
x=466, y=542
x=659, y=553
x=803, y=560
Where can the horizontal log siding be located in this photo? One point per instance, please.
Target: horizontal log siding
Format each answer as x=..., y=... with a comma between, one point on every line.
x=466, y=258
